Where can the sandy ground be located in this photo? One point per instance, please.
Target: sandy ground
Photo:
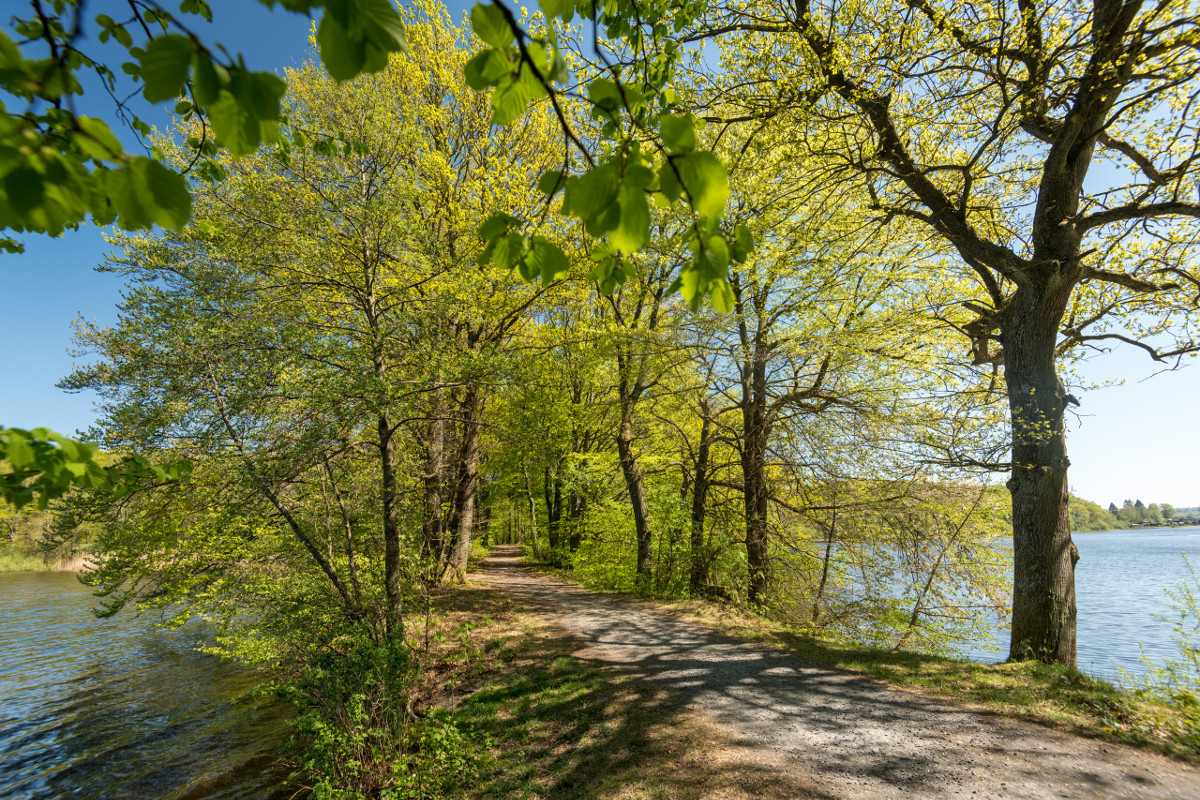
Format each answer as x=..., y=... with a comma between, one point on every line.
x=840, y=735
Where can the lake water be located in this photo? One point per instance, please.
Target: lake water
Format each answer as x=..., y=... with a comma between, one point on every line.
x=117, y=709
x=1120, y=584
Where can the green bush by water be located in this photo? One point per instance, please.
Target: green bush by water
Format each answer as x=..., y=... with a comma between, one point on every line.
x=356, y=734
x=14, y=559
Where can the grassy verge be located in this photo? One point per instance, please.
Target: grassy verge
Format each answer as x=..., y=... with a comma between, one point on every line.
x=544, y=724
x=1051, y=695
x=13, y=559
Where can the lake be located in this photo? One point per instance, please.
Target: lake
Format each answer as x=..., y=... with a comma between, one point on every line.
x=1120, y=584
x=117, y=709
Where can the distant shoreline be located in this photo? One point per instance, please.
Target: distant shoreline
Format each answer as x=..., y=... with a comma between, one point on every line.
x=32, y=562
x=1194, y=524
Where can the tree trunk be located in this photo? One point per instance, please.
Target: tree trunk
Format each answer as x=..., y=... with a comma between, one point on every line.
x=552, y=489
x=829, y=534
x=468, y=481
x=485, y=522
x=755, y=433
x=393, y=617
x=431, y=523
x=1043, y=621
x=533, y=520
x=699, y=571
x=636, y=486
x=576, y=509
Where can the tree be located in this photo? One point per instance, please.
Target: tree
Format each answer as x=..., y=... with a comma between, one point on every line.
x=348, y=265
x=57, y=167
x=926, y=126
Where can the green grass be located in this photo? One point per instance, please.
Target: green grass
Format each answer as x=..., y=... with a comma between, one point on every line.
x=15, y=560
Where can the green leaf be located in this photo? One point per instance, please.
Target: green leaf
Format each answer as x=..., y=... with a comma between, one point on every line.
x=633, y=231
x=558, y=72
x=548, y=259
x=668, y=182
x=380, y=23
x=510, y=101
x=706, y=181
x=558, y=9
x=721, y=296
x=589, y=195
x=604, y=93
x=146, y=193
x=712, y=260
x=343, y=56
x=509, y=251
x=18, y=451
x=96, y=140
x=497, y=224
x=550, y=182
x=164, y=66
x=743, y=244
x=206, y=85
x=24, y=188
x=245, y=114
x=678, y=134
x=491, y=26
x=487, y=68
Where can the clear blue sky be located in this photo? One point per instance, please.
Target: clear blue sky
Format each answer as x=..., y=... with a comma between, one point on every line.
x=1140, y=440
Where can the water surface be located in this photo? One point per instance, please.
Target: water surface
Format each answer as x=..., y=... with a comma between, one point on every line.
x=1120, y=587
x=118, y=709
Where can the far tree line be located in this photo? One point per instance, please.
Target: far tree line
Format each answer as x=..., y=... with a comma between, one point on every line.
x=1089, y=516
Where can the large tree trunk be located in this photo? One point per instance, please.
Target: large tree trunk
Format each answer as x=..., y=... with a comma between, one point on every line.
x=1043, y=620
x=635, y=484
x=468, y=481
x=755, y=434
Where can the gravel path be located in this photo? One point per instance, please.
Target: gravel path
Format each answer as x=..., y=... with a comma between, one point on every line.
x=848, y=736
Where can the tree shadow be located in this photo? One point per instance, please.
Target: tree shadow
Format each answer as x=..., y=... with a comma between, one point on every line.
x=832, y=728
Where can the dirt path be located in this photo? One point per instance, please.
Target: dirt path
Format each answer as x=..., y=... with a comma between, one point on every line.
x=848, y=737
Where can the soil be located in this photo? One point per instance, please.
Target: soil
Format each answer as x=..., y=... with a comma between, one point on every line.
x=838, y=734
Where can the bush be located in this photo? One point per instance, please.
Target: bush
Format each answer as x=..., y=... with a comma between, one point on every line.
x=355, y=734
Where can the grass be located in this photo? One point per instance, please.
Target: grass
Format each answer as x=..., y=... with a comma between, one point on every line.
x=1046, y=694
x=13, y=559
x=548, y=725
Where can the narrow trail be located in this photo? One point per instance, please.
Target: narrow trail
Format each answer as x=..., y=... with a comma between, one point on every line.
x=847, y=736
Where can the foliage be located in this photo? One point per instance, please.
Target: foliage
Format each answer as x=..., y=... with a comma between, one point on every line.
x=41, y=466
x=652, y=151
x=1176, y=682
x=355, y=728
x=1089, y=516
x=57, y=168
x=366, y=388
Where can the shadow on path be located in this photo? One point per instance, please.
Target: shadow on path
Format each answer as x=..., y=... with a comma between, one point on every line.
x=853, y=737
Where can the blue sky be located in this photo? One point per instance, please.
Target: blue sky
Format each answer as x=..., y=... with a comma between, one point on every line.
x=1140, y=440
